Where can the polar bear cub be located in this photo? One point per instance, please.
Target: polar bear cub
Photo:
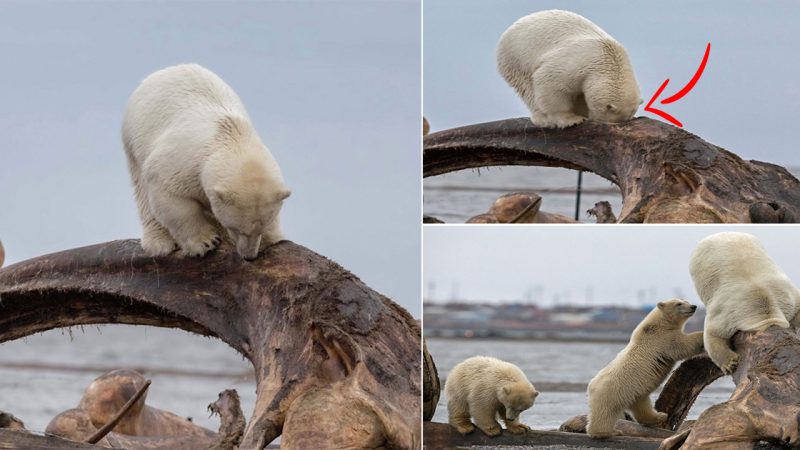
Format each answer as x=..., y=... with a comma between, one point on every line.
x=198, y=164
x=743, y=289
x=628, y=380
x=565, y=69
x=483, y=387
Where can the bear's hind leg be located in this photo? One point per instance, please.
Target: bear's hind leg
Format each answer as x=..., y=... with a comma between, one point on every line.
x=720, y=352
x=186, y=222
x=603, y=415
x=458, y=416
x=644, y=413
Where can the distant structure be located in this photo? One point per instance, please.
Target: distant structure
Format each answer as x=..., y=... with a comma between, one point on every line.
x=528, y=321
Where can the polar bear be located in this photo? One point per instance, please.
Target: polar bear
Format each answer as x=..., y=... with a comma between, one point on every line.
x=483, y=387
x=197, y=163
x=743, y=289
x=566, y=69
x=627, y=381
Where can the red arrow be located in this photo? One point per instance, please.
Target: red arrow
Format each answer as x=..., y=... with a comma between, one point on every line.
x=678, y=95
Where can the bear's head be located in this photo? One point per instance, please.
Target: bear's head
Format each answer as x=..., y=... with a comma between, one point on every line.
x=614, y=98
x=246, y=195
x=618, y=111
x=516, y=397
x=676, y=310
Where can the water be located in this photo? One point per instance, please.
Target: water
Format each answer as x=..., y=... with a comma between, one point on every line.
x=36, y=395
x=456, y=196
x=551, y=364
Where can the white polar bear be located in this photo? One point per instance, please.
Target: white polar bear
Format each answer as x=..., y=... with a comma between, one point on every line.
x=483, y=387
x=628, y=380
x=197, y=163
x=743, y=290
x=566, y=69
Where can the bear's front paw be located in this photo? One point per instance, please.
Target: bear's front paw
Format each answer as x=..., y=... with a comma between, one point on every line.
x=729, y=366
x=201, y=244
x=518, y=428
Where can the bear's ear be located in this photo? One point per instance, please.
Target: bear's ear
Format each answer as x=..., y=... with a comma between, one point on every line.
x=506, y=390
x=661, y=305
x=535, y=394
x=283, y=194
x=611, y=107
x=641, y=101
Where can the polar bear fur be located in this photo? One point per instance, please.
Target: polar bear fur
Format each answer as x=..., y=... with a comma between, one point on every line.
x=197, y=163
x=565, y=69
x=743, y=290
x=483, y=388
x=626, y=383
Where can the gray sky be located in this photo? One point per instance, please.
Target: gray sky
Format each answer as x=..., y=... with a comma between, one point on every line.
x=746, y=100
x=331, y=86
x=499, y=263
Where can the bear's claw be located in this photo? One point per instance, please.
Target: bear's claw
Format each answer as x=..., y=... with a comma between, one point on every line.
x=212, y=243
x=568, y=121
x=730, y=366
x=200, y=246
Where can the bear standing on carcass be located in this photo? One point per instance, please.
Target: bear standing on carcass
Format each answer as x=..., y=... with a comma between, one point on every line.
x=199, y=168
x=566, y=69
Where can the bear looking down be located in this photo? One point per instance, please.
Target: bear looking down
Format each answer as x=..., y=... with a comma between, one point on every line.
x=628, y=380
x=566, y=69
x=199, y=167
x=743, y=290
x=483, y=388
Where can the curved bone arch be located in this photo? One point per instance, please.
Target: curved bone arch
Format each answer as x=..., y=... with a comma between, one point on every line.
x=312, y=330
x=665, y=174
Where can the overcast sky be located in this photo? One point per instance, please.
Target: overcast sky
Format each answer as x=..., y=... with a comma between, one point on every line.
x=746, y=101
x=625, y=265
x=332, y=87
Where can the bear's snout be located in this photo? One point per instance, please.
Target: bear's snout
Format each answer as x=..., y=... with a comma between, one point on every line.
x=248, y=246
